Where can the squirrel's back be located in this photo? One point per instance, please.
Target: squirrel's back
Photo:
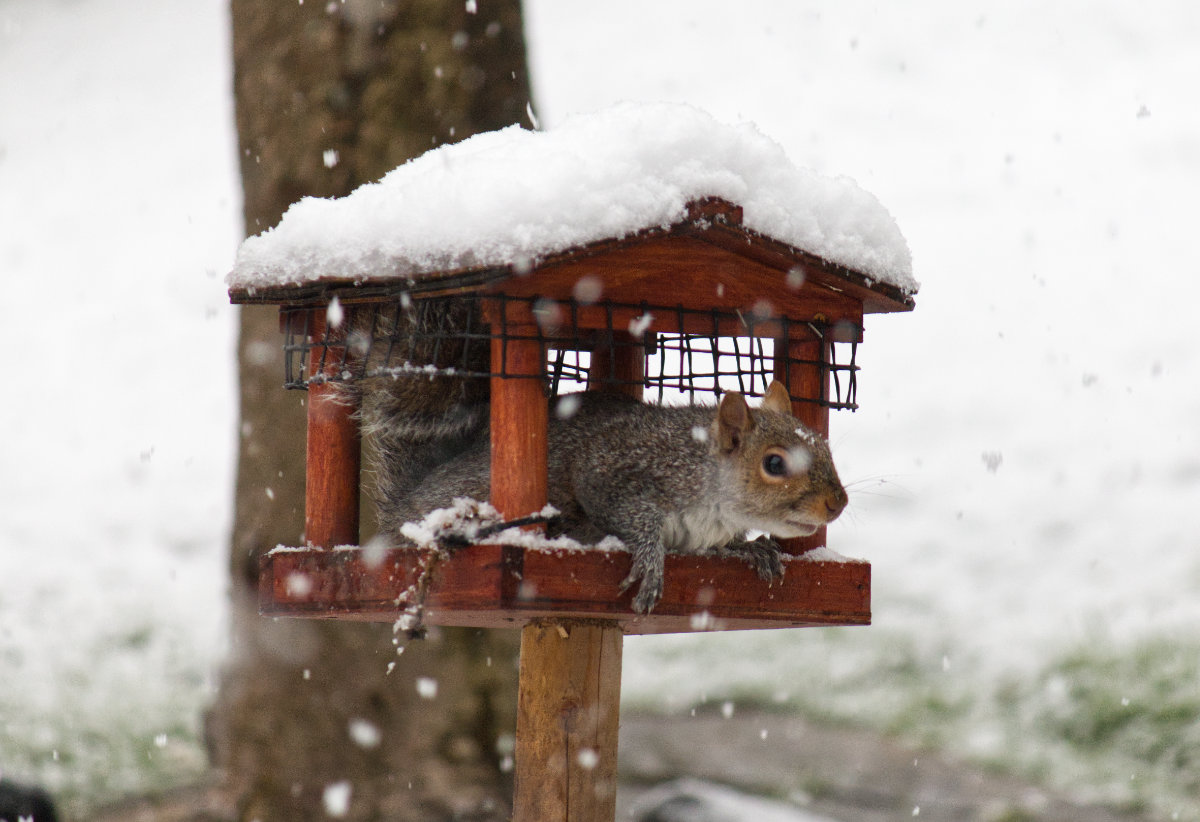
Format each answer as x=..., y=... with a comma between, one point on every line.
x=613, y=457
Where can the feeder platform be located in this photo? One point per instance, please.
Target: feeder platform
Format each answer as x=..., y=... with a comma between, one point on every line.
x=497, y=586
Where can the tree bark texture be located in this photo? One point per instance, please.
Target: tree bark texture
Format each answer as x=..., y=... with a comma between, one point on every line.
x=329, y=95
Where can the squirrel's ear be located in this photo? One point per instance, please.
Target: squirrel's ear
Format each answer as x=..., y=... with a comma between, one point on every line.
x=777, y=398
x=733, y=421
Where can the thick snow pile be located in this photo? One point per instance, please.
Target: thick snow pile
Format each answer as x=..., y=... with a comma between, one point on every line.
x=513, y=196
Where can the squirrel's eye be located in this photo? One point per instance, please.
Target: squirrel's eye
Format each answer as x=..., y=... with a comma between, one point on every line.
x=775, y=465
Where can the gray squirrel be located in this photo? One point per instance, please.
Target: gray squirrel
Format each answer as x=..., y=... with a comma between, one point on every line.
x=661, y=479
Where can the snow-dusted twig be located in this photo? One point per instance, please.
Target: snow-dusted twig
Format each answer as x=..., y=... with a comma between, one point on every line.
x=467, y=522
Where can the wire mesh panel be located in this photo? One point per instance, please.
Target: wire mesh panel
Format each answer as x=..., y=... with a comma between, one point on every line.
x=689, y=355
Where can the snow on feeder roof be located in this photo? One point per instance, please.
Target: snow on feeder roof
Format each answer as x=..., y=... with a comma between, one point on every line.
x=512, y=198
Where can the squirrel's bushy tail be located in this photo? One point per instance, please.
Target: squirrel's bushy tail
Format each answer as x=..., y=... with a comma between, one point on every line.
x=414, y=422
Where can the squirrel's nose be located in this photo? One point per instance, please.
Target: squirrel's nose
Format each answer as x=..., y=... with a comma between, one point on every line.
x=836, y=503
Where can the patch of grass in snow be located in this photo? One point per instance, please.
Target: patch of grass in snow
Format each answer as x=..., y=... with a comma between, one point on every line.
x=1103, y=722
x=880, y=679
x=85, y=760
x=119, y=716
x=1132, y=716
x=1146, y=701
x=1117, y=724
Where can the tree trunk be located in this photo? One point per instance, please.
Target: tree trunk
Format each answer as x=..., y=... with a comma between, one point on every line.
x=330, y=95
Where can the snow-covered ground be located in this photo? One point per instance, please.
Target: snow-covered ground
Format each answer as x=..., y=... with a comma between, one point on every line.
x=119, y=215
x=1027, y=456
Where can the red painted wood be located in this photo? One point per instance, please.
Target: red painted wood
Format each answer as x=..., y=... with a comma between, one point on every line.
x=334, y=456
x=481, y=586
x=520, y=414
x=804, y=376
x=690, y=272
x=714, y=209
x=597, y=317
x=624, y=363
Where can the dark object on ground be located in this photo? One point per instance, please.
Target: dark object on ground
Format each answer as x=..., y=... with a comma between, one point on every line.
x=21, y=804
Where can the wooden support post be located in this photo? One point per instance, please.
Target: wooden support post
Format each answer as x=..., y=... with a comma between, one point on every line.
x=567, y=719
x=520, y=413
x=570, y=671
x=805, y=375
x=619, y=367
x=331, y=481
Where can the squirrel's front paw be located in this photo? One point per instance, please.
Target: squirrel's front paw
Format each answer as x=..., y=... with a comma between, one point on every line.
x=763, y=554
x=649, y=592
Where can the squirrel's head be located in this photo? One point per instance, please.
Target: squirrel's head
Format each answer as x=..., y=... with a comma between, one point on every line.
x=783, y=472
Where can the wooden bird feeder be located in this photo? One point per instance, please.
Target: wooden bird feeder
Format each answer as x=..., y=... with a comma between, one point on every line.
x=702, y=305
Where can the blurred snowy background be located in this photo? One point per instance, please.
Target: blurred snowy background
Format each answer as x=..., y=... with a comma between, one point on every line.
x=1026, y=463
